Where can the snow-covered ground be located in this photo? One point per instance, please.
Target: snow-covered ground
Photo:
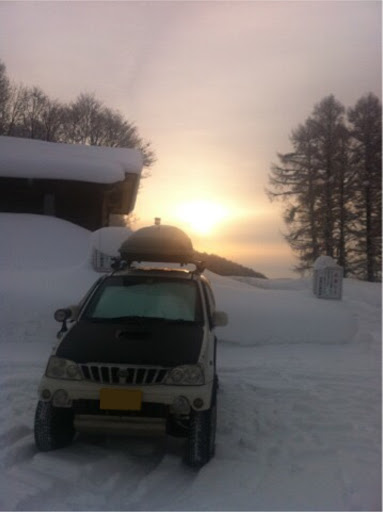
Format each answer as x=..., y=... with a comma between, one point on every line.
x=299, y=408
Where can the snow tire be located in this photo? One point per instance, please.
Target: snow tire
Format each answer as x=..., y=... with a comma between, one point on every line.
x=200, y=445
x=53, y=427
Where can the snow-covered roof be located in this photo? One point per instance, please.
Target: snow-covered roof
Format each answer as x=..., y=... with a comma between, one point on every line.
x=29, y=158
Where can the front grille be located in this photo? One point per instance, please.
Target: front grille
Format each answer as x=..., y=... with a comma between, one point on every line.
x=112, y=374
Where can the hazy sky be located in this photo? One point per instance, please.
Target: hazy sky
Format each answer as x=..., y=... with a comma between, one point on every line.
x=217, y=87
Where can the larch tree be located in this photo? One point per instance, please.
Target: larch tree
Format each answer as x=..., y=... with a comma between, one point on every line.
x=331, y=136
x=366, y=158
x=321, y=184
x=294, y=181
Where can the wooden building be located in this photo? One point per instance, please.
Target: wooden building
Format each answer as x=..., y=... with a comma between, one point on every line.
x=81, y=184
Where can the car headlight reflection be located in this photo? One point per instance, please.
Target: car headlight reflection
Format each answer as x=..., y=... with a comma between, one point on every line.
x=186, y=375
x=59, y=368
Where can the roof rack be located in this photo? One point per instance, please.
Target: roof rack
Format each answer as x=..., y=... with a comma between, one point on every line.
x=119, y=264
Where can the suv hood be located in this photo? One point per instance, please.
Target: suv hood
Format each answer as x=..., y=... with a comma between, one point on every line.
x=162, y=344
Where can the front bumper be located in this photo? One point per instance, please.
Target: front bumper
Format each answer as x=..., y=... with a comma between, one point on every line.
x=153, y=394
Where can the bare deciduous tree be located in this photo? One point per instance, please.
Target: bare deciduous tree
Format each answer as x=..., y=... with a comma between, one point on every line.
x=88, y=121
x=29, y=112
x=5, y=91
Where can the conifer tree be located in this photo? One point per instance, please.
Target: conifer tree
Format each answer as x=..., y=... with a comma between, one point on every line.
x=295, y=182
x=366, y=158
x=331, y=187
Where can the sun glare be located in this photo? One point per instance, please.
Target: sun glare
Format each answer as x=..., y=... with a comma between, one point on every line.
x=201, y=216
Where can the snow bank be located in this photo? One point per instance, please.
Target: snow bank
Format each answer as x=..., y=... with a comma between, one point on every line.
x=31, y=242
x=108, y=240
x=287, y=283
x=286, y=314
x=44, y=265
x=260, y=311
x=28, y=158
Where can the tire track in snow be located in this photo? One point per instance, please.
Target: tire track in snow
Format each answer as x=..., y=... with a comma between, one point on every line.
x=82, y=476
x=286, y=419
x=17, y=402
x=164, y=487
x=98, y=473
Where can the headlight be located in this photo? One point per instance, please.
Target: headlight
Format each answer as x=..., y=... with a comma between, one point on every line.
x=59, y=368
x=186, y=375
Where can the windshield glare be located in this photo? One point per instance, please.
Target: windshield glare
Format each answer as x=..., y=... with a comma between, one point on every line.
x=150, y=297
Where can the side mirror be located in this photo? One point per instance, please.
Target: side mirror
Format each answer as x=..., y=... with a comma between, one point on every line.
x=69, y=313
x=62, y=315
x=220, y=319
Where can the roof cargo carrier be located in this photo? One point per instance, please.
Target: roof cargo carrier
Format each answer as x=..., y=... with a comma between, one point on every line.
x=159, y=243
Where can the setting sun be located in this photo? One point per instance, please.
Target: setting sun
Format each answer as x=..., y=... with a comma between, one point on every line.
x=201, y=216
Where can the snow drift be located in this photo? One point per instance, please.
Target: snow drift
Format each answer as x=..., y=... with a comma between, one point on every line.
x=299, y=404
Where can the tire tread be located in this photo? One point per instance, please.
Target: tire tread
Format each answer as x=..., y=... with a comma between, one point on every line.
x=53, y=427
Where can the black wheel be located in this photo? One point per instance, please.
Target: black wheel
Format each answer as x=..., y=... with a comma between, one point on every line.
x=200, y=445
x=53, y=427
x=213, y=420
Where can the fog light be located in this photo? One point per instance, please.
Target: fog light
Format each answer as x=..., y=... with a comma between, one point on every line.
x=198, y=403
x=45, y=394
x=61, y=398
x=181, y=405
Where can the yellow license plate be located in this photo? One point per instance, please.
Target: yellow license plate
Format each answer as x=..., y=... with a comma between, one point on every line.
x=120, y=399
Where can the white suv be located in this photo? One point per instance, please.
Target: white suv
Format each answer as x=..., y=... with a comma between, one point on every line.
x=139, y=356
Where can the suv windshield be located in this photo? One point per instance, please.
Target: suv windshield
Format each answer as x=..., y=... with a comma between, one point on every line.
x=139, y=297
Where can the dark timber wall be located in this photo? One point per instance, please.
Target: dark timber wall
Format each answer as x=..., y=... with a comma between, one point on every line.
x=86, y=204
